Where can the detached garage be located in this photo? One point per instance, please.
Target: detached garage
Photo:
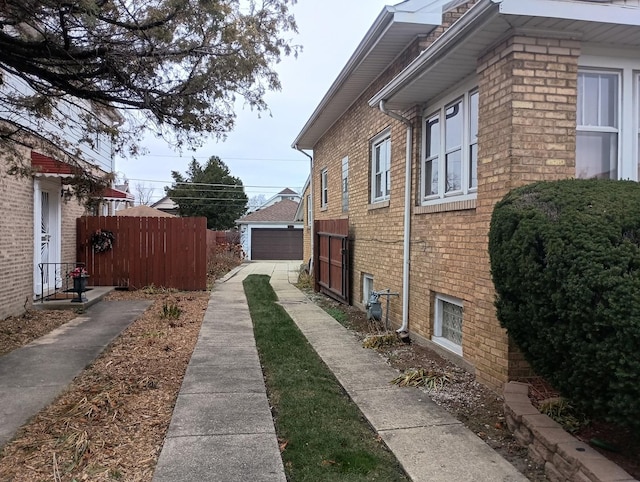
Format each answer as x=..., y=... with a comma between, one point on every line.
x=271, y=233
x=276, y=243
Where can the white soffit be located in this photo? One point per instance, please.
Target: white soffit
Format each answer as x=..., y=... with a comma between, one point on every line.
x=586, y=10
x=394, y=29
x=454, y=56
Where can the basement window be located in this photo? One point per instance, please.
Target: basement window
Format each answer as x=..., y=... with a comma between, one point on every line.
x=447, y=325
x=367, y=287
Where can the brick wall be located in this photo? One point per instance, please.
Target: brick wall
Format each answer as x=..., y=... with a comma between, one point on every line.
x=70, y=210
x=528, y=93
x=16, y=244
x=17, y=240
x=378, y=232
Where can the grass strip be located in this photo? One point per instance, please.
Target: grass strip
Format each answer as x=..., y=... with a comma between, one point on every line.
x=324, y=435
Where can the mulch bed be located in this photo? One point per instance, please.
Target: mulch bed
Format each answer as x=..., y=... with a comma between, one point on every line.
x=111, y=422
x=17, y=331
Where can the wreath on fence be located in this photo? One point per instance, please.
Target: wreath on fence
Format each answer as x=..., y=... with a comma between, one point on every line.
x=102, y=241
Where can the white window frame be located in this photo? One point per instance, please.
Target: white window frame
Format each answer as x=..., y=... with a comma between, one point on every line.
x=345, y=184
x=381, y=143
x=324, y=188
x=627, y=64
x=603, y=129
x=367, y=287
x=438, y=110
x=437, y=337
x=309, y=210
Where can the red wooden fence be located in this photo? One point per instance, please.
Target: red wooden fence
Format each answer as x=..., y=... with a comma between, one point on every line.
x=164, y=252
x=332, y=272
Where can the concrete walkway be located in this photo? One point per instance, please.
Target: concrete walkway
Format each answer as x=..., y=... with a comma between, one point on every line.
x=31, y=377
x=222, y=428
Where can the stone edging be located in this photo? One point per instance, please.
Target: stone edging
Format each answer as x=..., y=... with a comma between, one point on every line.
x=564, y=457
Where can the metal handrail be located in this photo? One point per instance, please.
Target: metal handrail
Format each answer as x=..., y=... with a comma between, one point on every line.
x=62, y=281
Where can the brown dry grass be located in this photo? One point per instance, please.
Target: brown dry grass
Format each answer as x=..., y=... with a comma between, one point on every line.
x=17, y=331
x=111, y=421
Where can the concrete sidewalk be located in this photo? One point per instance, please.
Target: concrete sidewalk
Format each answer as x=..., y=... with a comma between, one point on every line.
x=31, y=377
x=430, y=444
x=222, y=428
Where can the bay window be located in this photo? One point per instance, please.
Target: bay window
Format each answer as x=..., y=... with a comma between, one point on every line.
x=450, y=150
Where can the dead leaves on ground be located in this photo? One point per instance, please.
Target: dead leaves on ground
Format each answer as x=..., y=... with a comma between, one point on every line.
x=111, y=422
x=421, y=378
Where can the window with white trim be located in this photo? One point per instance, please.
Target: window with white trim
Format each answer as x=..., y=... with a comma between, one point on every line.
x=608, y=114
x=597, y=131
x=324, y=189
x=450, y=150
x=447, y=324
x=309, y=208
x=345, y=184
x=367, y=287
x=380, y=167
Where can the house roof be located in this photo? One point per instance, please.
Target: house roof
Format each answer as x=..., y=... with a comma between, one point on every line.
x=454, y=55
x=144, y=212
x=165, y=203
x=286, y=190
x=47, y=165
x=112, y=193
x=392, y=31
x=283, y=211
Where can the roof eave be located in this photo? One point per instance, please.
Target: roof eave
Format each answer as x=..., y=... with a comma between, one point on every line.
x=396, y=95
x=590, y=11
x=374, y=36
x=470, y=21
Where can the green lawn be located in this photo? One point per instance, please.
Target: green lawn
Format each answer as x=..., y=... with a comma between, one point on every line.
x=326, y=436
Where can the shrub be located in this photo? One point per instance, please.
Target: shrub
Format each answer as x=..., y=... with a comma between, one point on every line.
x=565, y=262
x=222, y=258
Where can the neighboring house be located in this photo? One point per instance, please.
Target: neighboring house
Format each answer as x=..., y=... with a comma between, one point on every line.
x=286, y=193
x=114, y=199
x=167, y=205
x=272, y=232
x=144, y=212
x=442, y=109
x=304, y=214
x=38, y=232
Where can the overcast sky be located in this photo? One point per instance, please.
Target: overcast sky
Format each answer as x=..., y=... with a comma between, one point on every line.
x=259, y=150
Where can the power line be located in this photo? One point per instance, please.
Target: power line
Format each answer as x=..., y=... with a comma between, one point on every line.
x=165, y=156
x=207, y=184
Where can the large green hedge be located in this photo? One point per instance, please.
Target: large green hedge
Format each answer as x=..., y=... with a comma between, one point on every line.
x=565, y=261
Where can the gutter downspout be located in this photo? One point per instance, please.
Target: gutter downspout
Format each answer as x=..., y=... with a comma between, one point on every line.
x=407, y=217
x=312, y=200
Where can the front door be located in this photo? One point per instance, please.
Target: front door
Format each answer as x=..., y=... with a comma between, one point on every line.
x=46, y=237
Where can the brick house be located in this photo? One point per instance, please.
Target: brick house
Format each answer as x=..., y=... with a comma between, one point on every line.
x=442, y=109
x=40, y=212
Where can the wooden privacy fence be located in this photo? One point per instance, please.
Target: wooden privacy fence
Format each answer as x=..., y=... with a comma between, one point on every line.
x=332, y=258
x=164, y=252
x=222, y=237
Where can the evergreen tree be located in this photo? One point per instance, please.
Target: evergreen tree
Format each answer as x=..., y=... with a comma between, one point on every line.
x=210, y=191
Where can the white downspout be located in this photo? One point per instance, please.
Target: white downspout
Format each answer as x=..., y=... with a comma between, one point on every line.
x=312, y=201
x=407, y=218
